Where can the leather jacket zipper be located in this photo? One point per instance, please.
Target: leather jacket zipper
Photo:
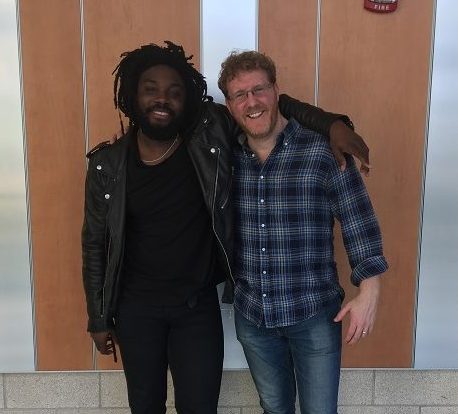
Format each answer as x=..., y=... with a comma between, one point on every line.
x=108, y=250
x=228, y=193
x=213, y=217
x=105, y=281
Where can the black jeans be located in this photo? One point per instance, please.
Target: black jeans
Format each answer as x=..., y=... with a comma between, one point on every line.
x=188, y=339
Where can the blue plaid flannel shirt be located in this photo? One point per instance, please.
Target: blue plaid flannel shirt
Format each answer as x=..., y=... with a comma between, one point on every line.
x=284, y=216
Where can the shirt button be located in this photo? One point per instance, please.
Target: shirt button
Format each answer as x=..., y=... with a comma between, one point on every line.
x=263, y=225
x=252, y=155
x=263, y=249
x=107, y=196
x=212, y=150
x=99, y=167
x=261, y=177
x=262, y=200
x=264, y=295
x=285, y=144
x=264, y=272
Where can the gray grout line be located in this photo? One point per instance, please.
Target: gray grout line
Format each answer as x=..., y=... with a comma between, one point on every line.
x=374, y=373
x=3, y=390
x=100, y=389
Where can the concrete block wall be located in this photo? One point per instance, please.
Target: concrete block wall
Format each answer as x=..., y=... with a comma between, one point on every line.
x=363, y=391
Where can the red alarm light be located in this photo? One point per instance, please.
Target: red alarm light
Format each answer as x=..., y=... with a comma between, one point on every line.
x=381, y=6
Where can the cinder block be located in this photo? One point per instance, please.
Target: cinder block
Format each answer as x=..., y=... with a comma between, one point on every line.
x=238, y=390
x=413, y=387
x=252, y=410
x=92, y=411
x=439, y=410
x=113, y=390
x=1, y=391
x=6, y=411
x=356, y=387
x=170, y=392
x=378, y=410
x=51, y=390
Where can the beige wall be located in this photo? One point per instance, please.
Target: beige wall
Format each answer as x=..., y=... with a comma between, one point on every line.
x=373, y=67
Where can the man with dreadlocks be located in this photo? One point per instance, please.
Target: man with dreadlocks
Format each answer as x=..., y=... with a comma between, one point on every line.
x=157, y=232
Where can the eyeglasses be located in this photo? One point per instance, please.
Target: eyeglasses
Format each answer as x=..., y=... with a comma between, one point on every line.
x=257, y=91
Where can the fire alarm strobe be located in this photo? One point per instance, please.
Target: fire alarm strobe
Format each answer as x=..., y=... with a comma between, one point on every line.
x=381, y=6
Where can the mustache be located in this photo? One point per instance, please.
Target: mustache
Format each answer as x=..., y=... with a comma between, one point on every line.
x=161, y=108
x=255, y=108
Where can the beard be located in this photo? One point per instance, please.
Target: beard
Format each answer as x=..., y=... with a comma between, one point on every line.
x=159, y=132
x=264, y=129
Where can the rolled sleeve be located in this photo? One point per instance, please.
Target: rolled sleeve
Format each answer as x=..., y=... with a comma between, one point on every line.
x=361, y=234
x=372, y=266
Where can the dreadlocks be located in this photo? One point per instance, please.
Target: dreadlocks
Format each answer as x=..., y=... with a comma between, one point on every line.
x=135, y=62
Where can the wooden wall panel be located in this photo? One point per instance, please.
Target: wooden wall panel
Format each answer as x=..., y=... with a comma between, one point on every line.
x=126, y=27
x=375, y=67
x=288, y=35
x=51, y=61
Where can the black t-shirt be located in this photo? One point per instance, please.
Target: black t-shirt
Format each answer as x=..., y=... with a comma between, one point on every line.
x=169, y=241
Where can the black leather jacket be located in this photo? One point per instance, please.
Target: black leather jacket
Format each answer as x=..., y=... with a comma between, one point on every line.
x=210, y=149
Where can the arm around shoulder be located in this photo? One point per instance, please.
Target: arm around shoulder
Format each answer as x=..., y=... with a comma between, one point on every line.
x=310, y=116
x=339, y=128
x=352, y=207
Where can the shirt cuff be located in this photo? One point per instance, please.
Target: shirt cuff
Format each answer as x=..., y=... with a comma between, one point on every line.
x=372, y=266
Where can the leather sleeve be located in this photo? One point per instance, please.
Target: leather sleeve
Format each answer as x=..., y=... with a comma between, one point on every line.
x=93, y=248
x=228, y=122
x=310, y=116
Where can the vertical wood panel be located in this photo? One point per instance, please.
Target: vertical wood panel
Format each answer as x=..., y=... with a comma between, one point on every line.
x=288, y=35
x=127, y=26
x=375, y=67
x=50, y=34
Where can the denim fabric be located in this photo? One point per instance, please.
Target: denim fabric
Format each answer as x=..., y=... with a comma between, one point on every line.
x=305, y=355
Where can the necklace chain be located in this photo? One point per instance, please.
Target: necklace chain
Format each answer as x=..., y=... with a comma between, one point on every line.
x=164, y=154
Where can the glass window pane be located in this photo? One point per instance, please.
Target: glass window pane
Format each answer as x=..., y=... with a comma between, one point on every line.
x=16, y=331
x=226, y=25
x=437, y=333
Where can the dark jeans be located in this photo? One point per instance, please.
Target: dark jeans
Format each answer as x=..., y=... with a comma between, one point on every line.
x=188, y=339
x=306, y=355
